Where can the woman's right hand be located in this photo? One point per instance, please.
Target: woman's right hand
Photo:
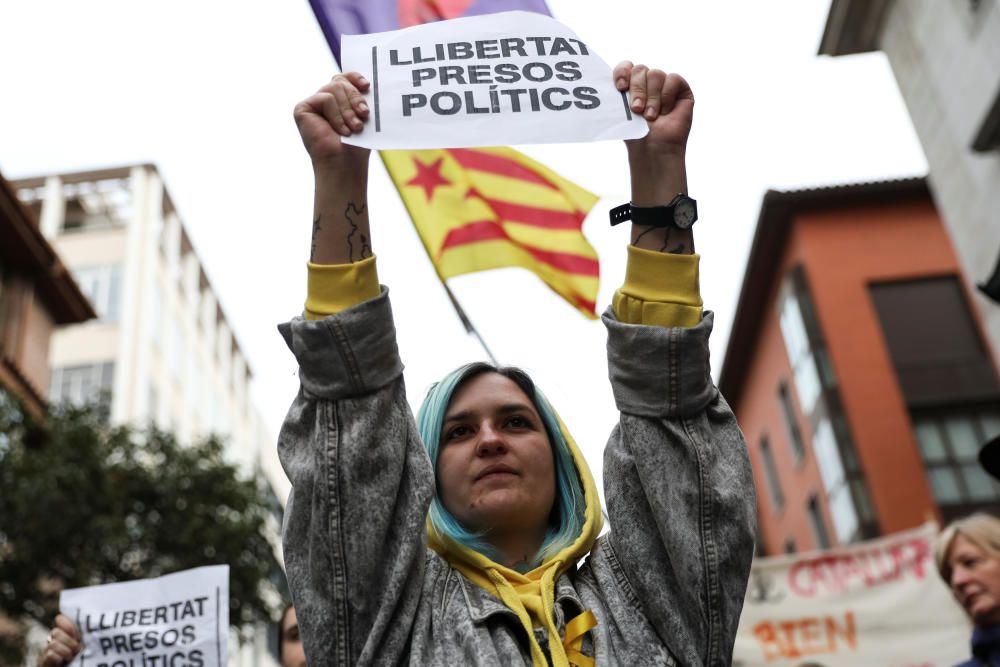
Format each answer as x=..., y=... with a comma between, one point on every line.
x=336, y=110
x=64, y=644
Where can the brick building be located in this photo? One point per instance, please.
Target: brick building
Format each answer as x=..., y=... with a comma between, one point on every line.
x=857, y=368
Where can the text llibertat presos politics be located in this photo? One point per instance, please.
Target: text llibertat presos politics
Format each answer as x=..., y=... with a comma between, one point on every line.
x=128, y=631
x=491, y=98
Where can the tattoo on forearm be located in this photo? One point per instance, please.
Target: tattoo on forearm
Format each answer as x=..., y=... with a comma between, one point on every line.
x=641, y=234
x=315, y=233
x=677, y=247
x=364, y=245
x=680, y=247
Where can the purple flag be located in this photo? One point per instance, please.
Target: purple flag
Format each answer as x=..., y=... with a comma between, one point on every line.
x=357, y=17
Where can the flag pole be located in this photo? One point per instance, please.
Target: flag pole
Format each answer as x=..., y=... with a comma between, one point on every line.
x=470, y=328
x=466, y=322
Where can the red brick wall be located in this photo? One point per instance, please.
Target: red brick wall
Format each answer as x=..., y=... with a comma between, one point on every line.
x=841, y=252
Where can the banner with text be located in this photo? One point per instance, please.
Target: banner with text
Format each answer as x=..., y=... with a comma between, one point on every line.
x=178, y=620
x=877, y=604
x=508, y=78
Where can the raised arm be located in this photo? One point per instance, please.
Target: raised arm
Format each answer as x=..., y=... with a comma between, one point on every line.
x=340, y=232
x=677, y=476
x=353, y=537
x=657, y=161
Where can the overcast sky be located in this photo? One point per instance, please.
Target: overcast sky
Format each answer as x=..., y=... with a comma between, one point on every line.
x=205, y=91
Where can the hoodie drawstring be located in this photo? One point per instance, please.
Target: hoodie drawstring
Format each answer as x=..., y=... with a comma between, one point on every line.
x=561, y=654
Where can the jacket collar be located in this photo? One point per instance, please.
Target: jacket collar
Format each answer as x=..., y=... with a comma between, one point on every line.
x=483, y=605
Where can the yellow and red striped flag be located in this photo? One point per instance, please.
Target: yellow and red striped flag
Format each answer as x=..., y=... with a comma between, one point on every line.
x=487, y=208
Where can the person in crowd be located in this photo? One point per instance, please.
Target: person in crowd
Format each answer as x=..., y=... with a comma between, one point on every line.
x=967, y=553
x=290, y=651
x=64, y=642
x=457, y=538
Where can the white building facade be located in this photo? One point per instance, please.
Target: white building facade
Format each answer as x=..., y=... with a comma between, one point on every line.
x=945, y=55
x=161, y=349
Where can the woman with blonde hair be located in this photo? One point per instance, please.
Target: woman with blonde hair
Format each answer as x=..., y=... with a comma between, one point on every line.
x=967, y=554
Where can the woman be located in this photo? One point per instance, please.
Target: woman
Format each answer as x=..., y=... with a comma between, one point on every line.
x=456, y=539
x=290, y=651
x=968, y=558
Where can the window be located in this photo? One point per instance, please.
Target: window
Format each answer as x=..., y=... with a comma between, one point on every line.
x=155, y=305
x=790, y=545
x=949, y=383
x=152, y=405
x=82, y=384
x=819, y=400
x=816, y=522
x=771, y=473
x=949, y=442
x=933, y=341
x=96, y=205
x=800, y=355
x=792, y=424
x=175, y=349
x=101, y=285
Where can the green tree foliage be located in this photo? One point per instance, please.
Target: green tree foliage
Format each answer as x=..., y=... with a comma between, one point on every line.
x=82, y=503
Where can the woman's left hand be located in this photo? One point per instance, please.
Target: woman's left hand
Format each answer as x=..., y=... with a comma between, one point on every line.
x=664, y=100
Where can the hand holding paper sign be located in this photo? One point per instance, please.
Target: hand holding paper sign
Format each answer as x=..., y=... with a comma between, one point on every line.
x=665, y=100
x=657, y=160
x=334, y=111
x=63, y=645
x=177, y=620
x=340, y=231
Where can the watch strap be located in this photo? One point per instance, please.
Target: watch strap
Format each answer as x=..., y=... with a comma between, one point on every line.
x=652, y=216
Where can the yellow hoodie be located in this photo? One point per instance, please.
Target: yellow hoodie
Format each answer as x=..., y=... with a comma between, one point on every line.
x=531, y=595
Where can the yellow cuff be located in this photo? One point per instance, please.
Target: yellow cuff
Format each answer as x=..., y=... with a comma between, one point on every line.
x=660, y=289
x=336, y=287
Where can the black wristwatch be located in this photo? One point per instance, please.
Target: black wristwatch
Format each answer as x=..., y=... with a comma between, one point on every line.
x=681, y=212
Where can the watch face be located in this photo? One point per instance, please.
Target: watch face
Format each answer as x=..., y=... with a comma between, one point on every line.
x=684, y=213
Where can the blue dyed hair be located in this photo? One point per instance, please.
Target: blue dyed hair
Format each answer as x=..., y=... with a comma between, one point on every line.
x=569, y=508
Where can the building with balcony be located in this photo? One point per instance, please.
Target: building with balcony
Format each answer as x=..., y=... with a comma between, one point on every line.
x=37, y=294
x=161, y=349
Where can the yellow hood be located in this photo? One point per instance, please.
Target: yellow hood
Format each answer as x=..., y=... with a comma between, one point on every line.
x=531, y=595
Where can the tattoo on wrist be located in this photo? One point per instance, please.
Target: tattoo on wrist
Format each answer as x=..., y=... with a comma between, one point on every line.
x=677, y=247
x=315, y=233
x=641, y=234
x=680, y=247
x=364, y=248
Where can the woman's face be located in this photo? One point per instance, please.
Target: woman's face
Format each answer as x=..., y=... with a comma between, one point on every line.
x=292, y=653
x=495, y=467
x=975, y=581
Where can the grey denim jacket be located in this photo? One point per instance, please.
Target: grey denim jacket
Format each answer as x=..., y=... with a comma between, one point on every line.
x=666, y=583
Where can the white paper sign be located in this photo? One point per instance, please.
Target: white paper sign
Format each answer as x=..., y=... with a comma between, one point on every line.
x=498, y=79
x=874, y=604
x=178, y=620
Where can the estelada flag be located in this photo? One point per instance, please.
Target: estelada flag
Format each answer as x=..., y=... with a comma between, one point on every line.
x=487, y=208
x=360, y=17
